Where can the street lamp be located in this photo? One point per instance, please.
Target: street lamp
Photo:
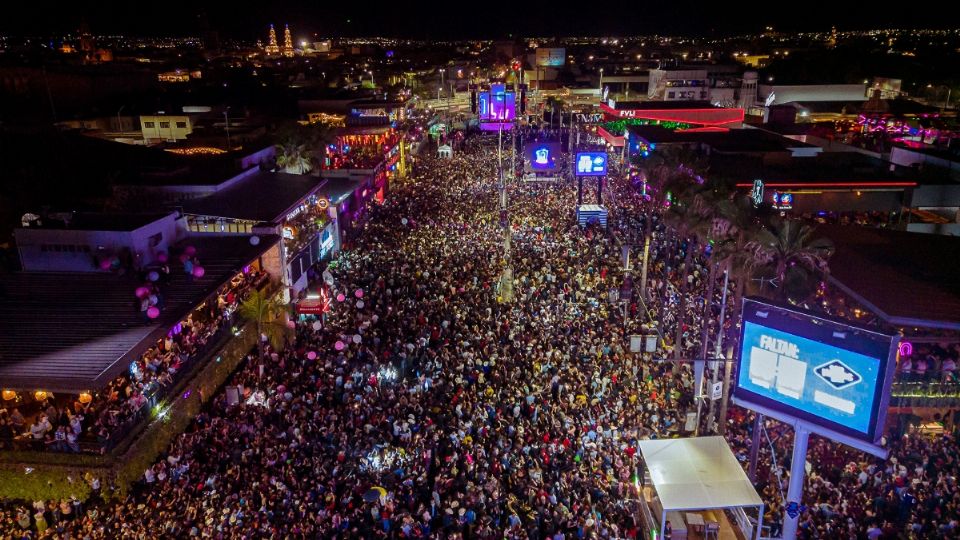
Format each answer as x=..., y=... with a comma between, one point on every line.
x=441, y=83
x=371, y=78
x=601, y=82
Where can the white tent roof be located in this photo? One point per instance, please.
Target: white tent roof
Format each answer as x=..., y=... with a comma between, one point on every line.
x=697, y=474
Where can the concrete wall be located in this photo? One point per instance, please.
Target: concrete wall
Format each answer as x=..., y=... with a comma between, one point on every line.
x=813, y=92
x=949, y=229
x=254, y=159
x=846, y=201
x=908, y=158
x=74, y=250
x=938, y=195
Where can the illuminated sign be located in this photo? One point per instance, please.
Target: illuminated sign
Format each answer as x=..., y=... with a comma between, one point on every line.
x=591, y=163
x=326, y=243
x=828, y=373
x=782, y=201
x=757, y=193
x=905, y=348
x=594, y=118
x=542, y=157
x=497, y=104
x=699, y=116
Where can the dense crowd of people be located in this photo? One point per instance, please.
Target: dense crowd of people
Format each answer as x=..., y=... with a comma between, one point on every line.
x=425, y=404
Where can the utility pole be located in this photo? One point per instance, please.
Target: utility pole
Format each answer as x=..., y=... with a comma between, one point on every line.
x=440, y=87
x=518, y=75
x=506, y=280
x=647, y=235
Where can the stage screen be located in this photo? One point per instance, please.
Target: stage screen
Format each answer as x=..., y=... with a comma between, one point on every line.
x=541, y=156
x=497, y=105
x=826, y=372
x=591, y=164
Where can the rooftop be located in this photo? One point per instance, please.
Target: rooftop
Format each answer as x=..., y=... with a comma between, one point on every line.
x=908, y=279
x=97, y=221
x=263, y=197
x=336, y=189
x=376, y=103
x=662, y=105
x=893, y=107
x=697, y=473
x=826, y=169
x=75, y=332
x=731, y=141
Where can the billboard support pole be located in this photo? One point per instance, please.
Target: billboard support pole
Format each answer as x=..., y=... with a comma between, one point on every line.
x=755, y=447
x=715, y=365
x=801, y=436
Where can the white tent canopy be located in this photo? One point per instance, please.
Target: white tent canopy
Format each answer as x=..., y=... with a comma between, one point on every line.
x=698, y=474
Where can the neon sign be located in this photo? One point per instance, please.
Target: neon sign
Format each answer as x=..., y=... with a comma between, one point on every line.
x=905, y=348
x=757, y=193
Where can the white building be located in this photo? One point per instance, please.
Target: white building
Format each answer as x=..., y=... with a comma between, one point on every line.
x=161, y=127
x=671, y=84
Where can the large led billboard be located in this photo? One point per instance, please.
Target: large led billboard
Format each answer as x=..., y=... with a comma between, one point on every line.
x=591, y=164
x=551, y=56
x=541, y=156
x=497, y=105
x=826, y=372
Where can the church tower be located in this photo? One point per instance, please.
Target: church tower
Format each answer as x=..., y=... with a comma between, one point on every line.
x=272, y=47
x=287, y=41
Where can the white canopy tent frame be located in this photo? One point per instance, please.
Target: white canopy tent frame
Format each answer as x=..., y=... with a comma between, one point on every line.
x=696, y=474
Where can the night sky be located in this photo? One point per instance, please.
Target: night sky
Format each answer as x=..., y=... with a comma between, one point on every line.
x=458, y=19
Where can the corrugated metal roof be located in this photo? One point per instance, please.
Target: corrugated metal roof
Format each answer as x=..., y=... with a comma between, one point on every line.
x=264, y=196
x=907, y=278
x=74, y=332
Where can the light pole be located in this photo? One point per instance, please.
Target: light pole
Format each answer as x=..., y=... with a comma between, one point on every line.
x=940, y=87
x=441, y=84
x=226, y=118
x=119, y=123
x=371, y=79
x=601, y=83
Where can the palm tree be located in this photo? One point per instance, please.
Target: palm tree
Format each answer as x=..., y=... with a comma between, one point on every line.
x=295, y=157
x=267, y=313
x=668, y=173
x=785, y=251
x=734, y=228
x=685, y=220
x=789, y=253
